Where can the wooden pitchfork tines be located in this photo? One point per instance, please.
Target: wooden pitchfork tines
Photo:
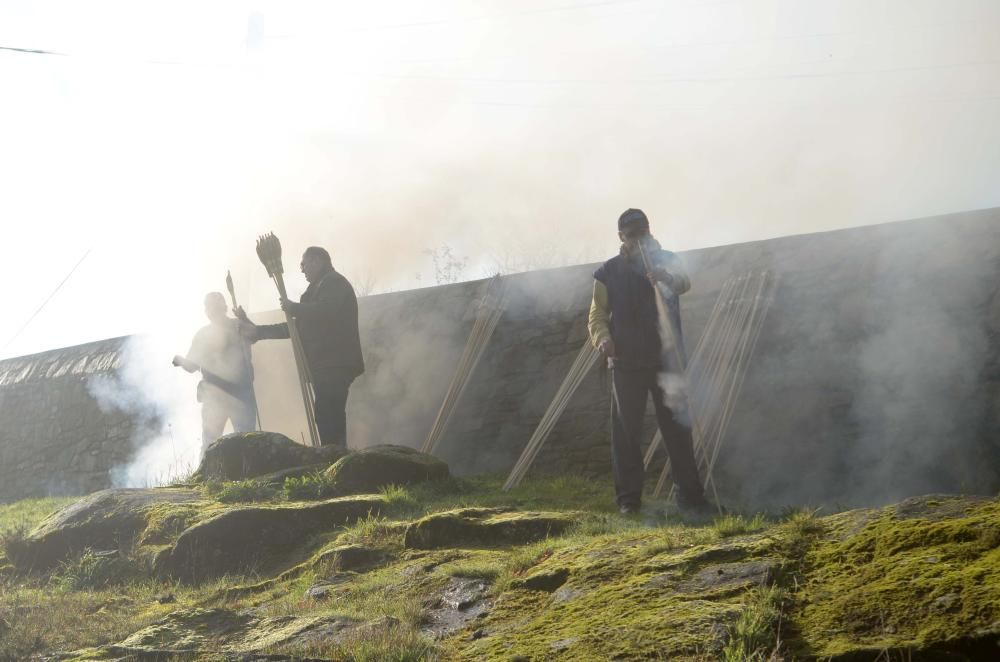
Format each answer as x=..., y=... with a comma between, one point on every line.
x=231, y=288
x=269, y=252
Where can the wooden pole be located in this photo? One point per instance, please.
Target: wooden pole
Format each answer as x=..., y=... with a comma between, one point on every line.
x=247, y=363
x=269, y=252
x=679, y=358
x=487, y=317
x=584, y=361
x=718, y=371
x=754, y=336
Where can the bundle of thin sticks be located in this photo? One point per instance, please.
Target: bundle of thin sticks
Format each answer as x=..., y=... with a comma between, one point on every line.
x=585, y=360
x=488, y=315
x=269, y=252
x=718, y=368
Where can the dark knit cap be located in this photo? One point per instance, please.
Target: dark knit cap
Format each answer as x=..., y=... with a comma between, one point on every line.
x=631, y=216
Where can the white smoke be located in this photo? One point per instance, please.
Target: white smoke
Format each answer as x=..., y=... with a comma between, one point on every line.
x=160, y=402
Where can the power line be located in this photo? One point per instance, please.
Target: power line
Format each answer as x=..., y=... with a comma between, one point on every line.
x=30, y=51
x=707, y=106
x=45, y=303
x=493, y=17
x=688, y=79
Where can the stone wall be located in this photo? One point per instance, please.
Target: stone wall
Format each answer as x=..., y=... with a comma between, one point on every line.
x=877, y=375
x=54, y=438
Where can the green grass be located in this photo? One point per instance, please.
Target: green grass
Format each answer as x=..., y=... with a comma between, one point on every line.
x=485, y=569
x=735, y=525
x=627, y=591
x=373, y=530
x=540, y=493
x=38, y=619
x=310, y=487
x=392, y=643
x=91, y=570
x=399, y=501
x=755, y=635
x=28, y=513
x=245, y=491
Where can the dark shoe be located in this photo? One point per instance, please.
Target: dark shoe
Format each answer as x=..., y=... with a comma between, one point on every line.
x=629, y=509
x=697, y=509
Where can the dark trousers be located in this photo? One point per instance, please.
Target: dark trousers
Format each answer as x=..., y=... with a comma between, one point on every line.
x=331, y=388
x=630, y=388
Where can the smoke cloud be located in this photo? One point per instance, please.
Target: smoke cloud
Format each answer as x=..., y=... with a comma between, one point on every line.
x=514, y=135
x=159, y=400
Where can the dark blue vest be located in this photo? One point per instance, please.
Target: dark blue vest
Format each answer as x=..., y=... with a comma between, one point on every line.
x=634, y=325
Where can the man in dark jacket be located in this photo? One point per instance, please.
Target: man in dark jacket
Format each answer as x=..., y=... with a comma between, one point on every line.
x=327, y=320
x=642, y=339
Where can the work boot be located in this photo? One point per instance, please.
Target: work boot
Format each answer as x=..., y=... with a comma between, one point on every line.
x=696, y=508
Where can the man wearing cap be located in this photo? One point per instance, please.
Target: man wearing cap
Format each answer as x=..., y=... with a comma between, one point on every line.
x=226, y=387
x=624, y=324
x=327, y=319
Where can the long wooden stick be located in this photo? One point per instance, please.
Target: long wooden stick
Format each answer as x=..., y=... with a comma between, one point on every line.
x=247, y=363
x=674, y=337
x=585, y=359
x=269, y=252
x=302, y=367
x=758, y=326
x=739, y=362
x=705, y=338
x=719, y=371
x=487, y=317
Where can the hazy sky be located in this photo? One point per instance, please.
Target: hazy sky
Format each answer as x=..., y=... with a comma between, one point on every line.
x=168, y=135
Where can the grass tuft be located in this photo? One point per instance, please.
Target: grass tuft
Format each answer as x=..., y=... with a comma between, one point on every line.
x=474, y=569
x=399, y=501
x=385, y=641
x=90, y=570
x=755, y=635
x=310, y=487
x=245, y=491
x=735, y=525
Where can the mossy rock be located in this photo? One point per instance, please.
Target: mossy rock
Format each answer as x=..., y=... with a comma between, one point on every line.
x=919, y=577
x=252, y=454
x=189, y=632
x=242, y=539
x=369, y=469
x=105, y=520
x=350, y=558
x=484, y=527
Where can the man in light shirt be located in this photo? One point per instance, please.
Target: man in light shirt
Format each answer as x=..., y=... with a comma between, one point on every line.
x=624, y=324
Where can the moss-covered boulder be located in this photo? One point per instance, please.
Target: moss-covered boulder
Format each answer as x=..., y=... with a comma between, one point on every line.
x=918, y=577
x=369, y=469
x=484, y=527
x=229, y=634
x=105, y=520
x=349, y=558
x=242, y=539
x=251, y=454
